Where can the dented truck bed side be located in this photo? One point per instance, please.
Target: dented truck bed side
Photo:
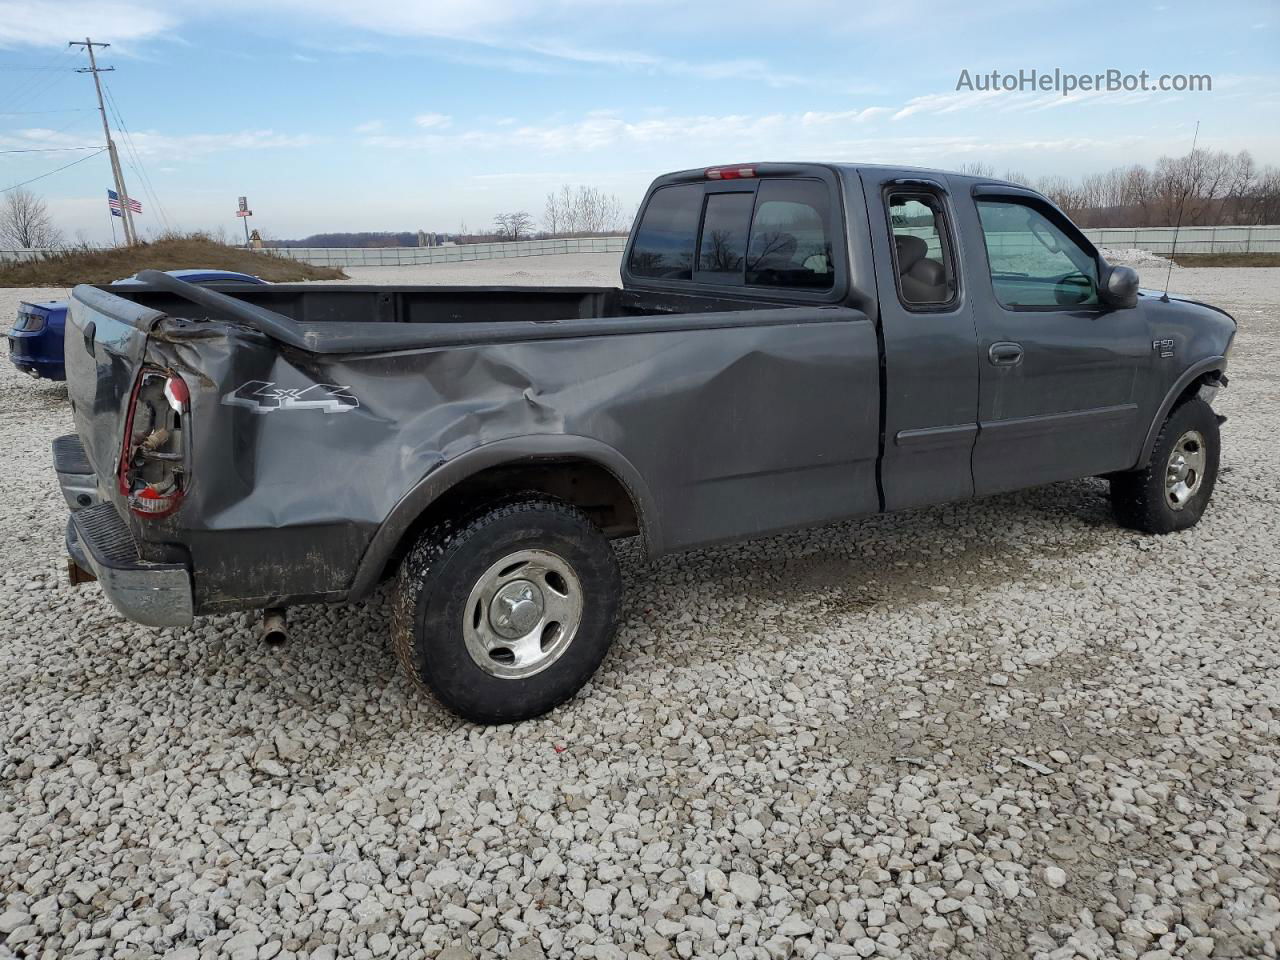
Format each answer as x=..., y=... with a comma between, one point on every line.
x=308, y=468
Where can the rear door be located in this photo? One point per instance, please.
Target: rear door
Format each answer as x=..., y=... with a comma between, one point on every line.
x=926, y=322
x=1061, y=371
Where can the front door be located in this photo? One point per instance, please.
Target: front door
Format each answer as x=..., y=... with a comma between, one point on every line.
x=1061, y=371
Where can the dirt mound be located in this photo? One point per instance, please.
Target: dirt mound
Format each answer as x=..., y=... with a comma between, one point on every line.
x=89, y=265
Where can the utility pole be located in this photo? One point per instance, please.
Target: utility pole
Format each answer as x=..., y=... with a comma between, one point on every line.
x=126, y=215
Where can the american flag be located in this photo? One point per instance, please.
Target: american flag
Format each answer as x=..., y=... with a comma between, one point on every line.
x=113, y=201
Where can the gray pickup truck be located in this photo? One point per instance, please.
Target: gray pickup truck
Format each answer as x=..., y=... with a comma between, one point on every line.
x=792, y=344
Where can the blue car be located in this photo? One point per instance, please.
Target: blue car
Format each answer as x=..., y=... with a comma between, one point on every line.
x=35, y=341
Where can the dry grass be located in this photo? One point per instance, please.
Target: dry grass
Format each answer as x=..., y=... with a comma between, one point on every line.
x=1227, y=259
x=171, y=252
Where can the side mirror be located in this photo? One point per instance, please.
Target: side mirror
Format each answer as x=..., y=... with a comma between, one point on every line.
x=1121, y=286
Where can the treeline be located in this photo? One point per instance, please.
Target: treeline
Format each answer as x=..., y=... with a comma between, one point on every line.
x=583, y=212
x=402, y=238
x=1210, y=187
x=571, y=211
x=568, y=212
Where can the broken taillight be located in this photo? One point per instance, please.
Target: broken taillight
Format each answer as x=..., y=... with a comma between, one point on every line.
x=153, y=464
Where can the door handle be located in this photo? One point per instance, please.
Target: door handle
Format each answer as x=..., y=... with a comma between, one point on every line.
x=1005, y=354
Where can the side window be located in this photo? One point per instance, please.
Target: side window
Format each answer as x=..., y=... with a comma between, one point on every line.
x=724, y=237
x=1034, y=263
x=790, y=236
x=923, y=262
x=668, y=233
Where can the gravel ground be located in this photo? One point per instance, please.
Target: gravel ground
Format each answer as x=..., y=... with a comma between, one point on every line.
x=991, y=729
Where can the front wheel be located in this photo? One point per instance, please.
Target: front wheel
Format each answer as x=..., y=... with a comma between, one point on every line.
x=1171, y=492
x=505, y=614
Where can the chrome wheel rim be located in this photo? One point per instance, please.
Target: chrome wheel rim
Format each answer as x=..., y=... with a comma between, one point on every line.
x=522, y=614
x=1185, y=471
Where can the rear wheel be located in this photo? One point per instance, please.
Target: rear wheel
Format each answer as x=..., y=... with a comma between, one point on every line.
x=1171, y=492
x=506, y=613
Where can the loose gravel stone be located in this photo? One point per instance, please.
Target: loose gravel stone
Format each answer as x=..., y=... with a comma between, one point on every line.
x=797, y=748
x=1055, y=877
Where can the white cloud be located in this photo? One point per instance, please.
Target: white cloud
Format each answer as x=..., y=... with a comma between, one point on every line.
x=816, y=117
x=167, y=147
x=47, y=23
x=1015, y=101
x=433, y=121
x=739, y=69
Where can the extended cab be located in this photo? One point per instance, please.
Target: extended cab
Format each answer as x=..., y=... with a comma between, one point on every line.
x=792, y=344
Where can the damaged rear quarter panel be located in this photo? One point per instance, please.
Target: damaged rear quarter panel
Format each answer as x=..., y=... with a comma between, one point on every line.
x=735, y=431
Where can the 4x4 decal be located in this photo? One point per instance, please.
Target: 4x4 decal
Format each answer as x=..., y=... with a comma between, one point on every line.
x=263, y=396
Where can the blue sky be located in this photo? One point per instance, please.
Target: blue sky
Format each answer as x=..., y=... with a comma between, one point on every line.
x=343, y=115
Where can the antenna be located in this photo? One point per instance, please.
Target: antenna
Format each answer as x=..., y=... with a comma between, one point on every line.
x=1191, y=158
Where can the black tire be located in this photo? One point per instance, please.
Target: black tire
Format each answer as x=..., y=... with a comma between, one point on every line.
x=445, y=568
x=1140, y=499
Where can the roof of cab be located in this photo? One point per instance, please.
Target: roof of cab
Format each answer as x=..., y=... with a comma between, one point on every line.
x=770, y=168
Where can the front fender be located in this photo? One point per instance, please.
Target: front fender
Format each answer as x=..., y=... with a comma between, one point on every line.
x=436, y=483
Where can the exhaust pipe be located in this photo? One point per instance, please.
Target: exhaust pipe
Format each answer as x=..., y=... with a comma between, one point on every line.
x=275, y=630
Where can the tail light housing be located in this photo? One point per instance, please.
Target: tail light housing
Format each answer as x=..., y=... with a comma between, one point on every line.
x=153, y=459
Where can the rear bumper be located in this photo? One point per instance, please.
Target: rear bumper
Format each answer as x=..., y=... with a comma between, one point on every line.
x=30, y=353
x=41, y=369
x=100, y=542
x=153, y=594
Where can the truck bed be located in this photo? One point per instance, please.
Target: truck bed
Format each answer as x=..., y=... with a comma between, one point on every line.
x=319, y=416
x=348, y=319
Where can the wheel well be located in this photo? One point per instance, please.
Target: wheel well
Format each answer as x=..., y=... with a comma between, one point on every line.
x=592, y=488
x=1192, y=388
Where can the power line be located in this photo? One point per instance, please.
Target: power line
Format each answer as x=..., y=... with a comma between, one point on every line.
x=51, y=149
x=136, y=159
x=52, y=172
x=27, y=113
x=58, y=69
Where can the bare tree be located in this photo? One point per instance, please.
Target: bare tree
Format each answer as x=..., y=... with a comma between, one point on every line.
x=25, y=221
x=582, y=211
x=1205, y=187
x=553, y=215
x=976, y=168
x=513, y=226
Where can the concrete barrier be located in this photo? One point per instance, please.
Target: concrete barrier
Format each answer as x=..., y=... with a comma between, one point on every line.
x=459, y=253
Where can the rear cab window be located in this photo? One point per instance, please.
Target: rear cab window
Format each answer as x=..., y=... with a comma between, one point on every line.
x=773, y=233
x=668, y=233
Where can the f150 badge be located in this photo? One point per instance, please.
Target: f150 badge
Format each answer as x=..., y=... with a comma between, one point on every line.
x=263, y=396
x=1163, y=347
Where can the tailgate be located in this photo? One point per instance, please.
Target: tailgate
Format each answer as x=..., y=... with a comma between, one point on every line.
x=105, y=339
